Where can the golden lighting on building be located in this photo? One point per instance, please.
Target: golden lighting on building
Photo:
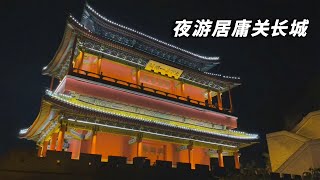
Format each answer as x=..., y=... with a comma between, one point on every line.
x=163, y=69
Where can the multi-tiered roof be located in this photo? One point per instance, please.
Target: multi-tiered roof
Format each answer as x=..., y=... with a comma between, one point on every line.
x=84, y=108
x=100, y=35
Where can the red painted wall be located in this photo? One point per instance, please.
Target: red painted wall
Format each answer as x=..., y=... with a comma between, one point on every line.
x=127, y=73
x=147, y=102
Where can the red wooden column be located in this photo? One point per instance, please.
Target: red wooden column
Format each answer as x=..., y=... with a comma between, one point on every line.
x=139, y=144
x=53, y=141
x=137, y=76
x=39, y=151
x=51, y=84
x=44, y=148
x=182, y=89
x=219, y=100
x=99, y=65
x=75, y=148
x=230, y=101
x=93, y=143
x=139, y=148
x=236, y=160
x=81, y=61
x=72, y=59
x=190, y=156
x=61, y=137
x=209, y=98
x=220, y=158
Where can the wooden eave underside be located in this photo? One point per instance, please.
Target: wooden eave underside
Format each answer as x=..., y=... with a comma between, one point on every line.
x=137, y=36
x=34, y=130
x=55, y=65
x=48, y=105
x=73, y=111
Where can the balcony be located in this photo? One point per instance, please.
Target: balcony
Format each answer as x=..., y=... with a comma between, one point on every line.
x=145, y=90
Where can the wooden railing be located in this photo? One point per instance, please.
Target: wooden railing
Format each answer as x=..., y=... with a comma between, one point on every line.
x=145, y=89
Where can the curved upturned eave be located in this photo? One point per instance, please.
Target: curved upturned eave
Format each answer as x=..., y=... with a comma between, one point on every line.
x=73, y=29
x=63, y=49
x=79, y=29
x=33, y=130
x=73, y=109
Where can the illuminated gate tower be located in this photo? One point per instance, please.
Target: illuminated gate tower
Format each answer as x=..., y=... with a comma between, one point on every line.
x=124, y=93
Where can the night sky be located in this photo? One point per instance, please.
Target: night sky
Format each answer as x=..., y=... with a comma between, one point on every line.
x=280, y=75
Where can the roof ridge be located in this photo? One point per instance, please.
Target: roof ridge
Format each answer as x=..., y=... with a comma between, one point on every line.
x=211, y=58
